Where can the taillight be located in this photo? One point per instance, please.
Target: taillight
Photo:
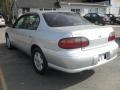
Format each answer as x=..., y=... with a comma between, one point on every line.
x=111, y=36
x=73, y=42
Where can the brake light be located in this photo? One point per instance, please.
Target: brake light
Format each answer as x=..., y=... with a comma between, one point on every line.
x=73, y=42
x=111, y=36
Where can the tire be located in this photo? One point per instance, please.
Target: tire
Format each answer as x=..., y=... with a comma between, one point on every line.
x=96, y=23
x=8, y=42
x=39, y=61
x=112, y=22
x=103, y=24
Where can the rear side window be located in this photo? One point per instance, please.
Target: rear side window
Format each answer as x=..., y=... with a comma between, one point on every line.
x=61, y=19
x=29, y=22
x=87, y=15
x=19, y=23
x=94, y=15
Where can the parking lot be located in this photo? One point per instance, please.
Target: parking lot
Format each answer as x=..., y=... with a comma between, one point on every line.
x=17, y=73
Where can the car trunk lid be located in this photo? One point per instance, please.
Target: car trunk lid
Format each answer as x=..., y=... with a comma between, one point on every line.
x=97, y=36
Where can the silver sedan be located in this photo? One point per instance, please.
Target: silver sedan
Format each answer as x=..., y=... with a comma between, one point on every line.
x=63, y=41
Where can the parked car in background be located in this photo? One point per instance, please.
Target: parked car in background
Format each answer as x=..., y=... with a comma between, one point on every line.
x=95, y=18
x=63, y=41
x=2, y=21
x=110, y=19
x=118, y=20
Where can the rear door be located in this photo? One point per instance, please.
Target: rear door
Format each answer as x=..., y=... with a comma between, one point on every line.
x=31, y=24
x=25, y=34
x=17, y=27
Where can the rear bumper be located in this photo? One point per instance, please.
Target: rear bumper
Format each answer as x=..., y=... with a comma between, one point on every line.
x=80, y=69
x=77, y=61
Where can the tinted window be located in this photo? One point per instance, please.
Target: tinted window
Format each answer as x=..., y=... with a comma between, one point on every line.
x=94, y=15
x=87, y=15
x=33, y=22
x=19, y=23
x=29, y=22
x=60, y=19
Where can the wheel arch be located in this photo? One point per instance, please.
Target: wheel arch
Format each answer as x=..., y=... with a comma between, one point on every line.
x=45, y=67
x=33, y=47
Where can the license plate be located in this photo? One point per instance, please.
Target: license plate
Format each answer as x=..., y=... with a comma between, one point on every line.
x=105, y=56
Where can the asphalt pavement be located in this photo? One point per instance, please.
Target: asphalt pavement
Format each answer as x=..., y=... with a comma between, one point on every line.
x=17, y=73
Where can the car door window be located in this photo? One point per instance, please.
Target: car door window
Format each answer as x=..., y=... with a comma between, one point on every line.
x=19, y=23
x=94, y=15
x=88, y=15
x=28, y=22
x=31, y=22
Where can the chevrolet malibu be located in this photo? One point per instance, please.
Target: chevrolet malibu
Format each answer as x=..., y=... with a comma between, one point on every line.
x=62, y=40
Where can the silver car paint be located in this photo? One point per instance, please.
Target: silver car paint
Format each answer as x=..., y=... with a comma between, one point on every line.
x=73, y=60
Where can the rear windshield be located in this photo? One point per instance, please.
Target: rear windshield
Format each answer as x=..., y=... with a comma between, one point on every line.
x=61, y=19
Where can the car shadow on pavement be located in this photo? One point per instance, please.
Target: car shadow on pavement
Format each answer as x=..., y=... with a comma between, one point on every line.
x=20, y=74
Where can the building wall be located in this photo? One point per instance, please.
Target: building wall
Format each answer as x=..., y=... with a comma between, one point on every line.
x=84, y=9
x=113, y=10
x=20, y=11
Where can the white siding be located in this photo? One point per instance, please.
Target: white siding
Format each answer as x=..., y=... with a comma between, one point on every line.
x=19, y=12
x=34, y=9
x=84, y=9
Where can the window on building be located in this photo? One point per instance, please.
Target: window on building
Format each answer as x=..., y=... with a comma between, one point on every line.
x=73, y=10
x=24, y=10
x=96, y=10
x=90, y=10
x=104, y=10
x=77, y=10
